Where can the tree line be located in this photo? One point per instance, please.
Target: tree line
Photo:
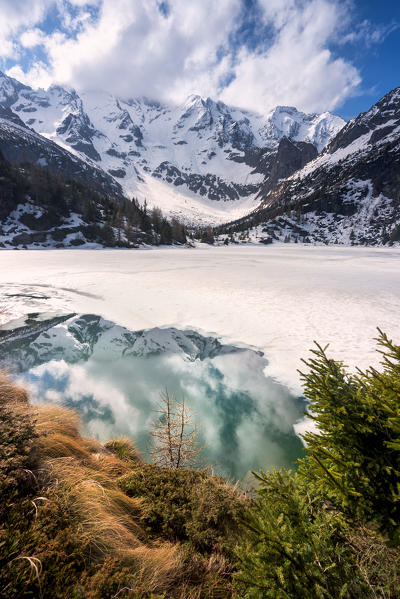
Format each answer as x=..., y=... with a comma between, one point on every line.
x=111, y=220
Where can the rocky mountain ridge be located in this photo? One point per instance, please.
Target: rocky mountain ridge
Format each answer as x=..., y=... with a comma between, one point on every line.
x=203, y=160
x=298, y=177
x=348, y=194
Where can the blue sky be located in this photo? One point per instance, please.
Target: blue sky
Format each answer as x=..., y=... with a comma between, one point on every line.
x=338, y=55
x=378, y=64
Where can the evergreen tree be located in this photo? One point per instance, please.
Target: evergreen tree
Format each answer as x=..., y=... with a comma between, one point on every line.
x=178, y=231
x=354, y=457
x=107, y=235
x=207, y=236
x=331, y=529
x=156, y=219
x=145, y=224
x=165, y=232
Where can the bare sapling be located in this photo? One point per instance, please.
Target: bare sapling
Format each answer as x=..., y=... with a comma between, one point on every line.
x=174, y=434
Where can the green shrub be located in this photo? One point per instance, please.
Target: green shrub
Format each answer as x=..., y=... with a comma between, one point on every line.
x=298, y=546
x=354, y=457
x=187, y=506
x=124, y=449
x=331, y=529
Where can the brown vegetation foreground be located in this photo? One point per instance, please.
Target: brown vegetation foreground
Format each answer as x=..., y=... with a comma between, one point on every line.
x=82, y=519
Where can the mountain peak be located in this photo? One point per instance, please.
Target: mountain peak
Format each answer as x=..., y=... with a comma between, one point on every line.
x=197, y=101
x=287, y=109
x=203, y=102
x=202, y=157
x=9, y=88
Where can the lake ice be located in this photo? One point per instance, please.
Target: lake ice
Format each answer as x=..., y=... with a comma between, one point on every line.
x=275, y=299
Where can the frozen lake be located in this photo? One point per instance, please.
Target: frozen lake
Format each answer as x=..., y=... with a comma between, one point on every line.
x=113, y=377
x=278, y=298
x=227, y=326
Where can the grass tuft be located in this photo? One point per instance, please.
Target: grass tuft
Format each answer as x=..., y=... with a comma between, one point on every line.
x=124, y=448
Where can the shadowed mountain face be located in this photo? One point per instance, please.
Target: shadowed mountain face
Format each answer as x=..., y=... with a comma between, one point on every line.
x=350, y=193
x=41, y=209
x=113, y=377
x=20, y=144
x=188, y=159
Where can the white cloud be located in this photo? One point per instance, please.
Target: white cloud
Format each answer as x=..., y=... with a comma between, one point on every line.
x=133, y=49
x=32, y=37
x=130, y=48
x=298, y=69
x=15, y=16
x=37, y=76
x=369, y=34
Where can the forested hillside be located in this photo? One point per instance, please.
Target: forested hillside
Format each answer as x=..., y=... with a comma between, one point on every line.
x=41, y=209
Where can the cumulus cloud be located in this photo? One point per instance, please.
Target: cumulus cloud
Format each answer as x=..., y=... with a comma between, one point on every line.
x=37, y=76
x=134, y=48
x=168, y=49
x=15, y=16
x=298, y=69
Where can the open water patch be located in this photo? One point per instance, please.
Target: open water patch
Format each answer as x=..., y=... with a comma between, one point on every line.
x=113, y=377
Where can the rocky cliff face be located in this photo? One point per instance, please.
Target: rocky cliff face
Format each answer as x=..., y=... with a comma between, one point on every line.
x=289, y=157
x=350, y=193
x=19, y=144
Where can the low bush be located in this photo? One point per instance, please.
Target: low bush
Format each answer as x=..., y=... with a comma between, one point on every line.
x=17, y=436
x=188, y=506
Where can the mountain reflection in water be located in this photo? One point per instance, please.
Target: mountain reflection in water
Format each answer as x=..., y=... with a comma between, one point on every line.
x=113, y=377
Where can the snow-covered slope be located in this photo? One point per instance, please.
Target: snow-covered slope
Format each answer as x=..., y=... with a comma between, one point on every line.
x=203, y=160
x=350, y=193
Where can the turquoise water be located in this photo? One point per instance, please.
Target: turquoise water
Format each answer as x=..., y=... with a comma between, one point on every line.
x=113, y=377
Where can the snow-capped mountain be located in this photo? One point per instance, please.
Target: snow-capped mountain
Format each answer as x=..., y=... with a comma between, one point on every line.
x=350, y=193
x=203, y=160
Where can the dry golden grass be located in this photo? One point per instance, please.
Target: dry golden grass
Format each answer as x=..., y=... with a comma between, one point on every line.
x=82, y=477
x=110, y=464
x=59, y=434
x=109, y=521
x=51, y=419
x=160, y=567
x=92, y=445
x=94, y=496
x=57, y=445
x=11, y=394
x=79, y=478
